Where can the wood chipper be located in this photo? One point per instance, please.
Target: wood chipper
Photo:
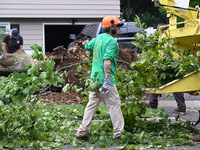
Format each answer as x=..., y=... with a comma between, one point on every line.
x=187, y=36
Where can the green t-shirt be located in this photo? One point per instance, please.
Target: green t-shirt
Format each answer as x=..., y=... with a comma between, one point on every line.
x=104, y=47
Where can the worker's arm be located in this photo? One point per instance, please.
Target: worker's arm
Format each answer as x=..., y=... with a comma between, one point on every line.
x=4, y=48
x=105, y=88
x=107, y=66
x=21, y=47
x=21, y=43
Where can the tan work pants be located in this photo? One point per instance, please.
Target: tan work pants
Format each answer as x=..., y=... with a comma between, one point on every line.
x=113, y=105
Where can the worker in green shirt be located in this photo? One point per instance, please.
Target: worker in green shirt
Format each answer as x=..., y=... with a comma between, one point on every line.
x=105, y=54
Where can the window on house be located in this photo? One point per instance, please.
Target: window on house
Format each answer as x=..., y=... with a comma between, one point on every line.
x=5, y=26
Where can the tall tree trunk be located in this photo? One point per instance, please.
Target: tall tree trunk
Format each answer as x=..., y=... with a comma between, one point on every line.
x=129, y=11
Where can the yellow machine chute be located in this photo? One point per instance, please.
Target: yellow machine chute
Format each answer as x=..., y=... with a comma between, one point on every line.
x=187, y=36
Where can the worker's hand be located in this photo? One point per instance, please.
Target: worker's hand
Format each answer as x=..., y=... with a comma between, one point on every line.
x=105, y=88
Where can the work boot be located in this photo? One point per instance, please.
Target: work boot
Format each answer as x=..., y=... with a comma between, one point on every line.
x=195, y=139
x=119, y=139
x=83, y=138
x=181, y=112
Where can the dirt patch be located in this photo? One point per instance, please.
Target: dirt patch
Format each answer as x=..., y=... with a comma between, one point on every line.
x=68, y=60
x=67, y=98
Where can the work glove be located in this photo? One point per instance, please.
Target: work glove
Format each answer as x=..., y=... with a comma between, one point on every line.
x=105, y=88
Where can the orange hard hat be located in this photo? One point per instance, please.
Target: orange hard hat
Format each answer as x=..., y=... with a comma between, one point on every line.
x=109, y=21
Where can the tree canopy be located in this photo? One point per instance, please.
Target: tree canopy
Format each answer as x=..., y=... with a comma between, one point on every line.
x=147, y=12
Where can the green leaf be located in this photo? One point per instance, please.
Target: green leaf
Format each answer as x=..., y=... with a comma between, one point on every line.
x=198, y=53
x=66, y=87
x=79, y=68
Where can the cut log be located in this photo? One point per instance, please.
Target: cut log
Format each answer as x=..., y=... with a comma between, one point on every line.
x=14, y=62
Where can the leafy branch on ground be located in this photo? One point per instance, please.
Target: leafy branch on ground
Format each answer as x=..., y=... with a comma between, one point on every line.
x=28, y=124
x=19, y=87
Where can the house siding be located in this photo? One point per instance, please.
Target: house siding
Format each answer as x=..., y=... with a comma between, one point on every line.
x=32, y=29
x=32, y=15
x=59, y=8
x=32, y=32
